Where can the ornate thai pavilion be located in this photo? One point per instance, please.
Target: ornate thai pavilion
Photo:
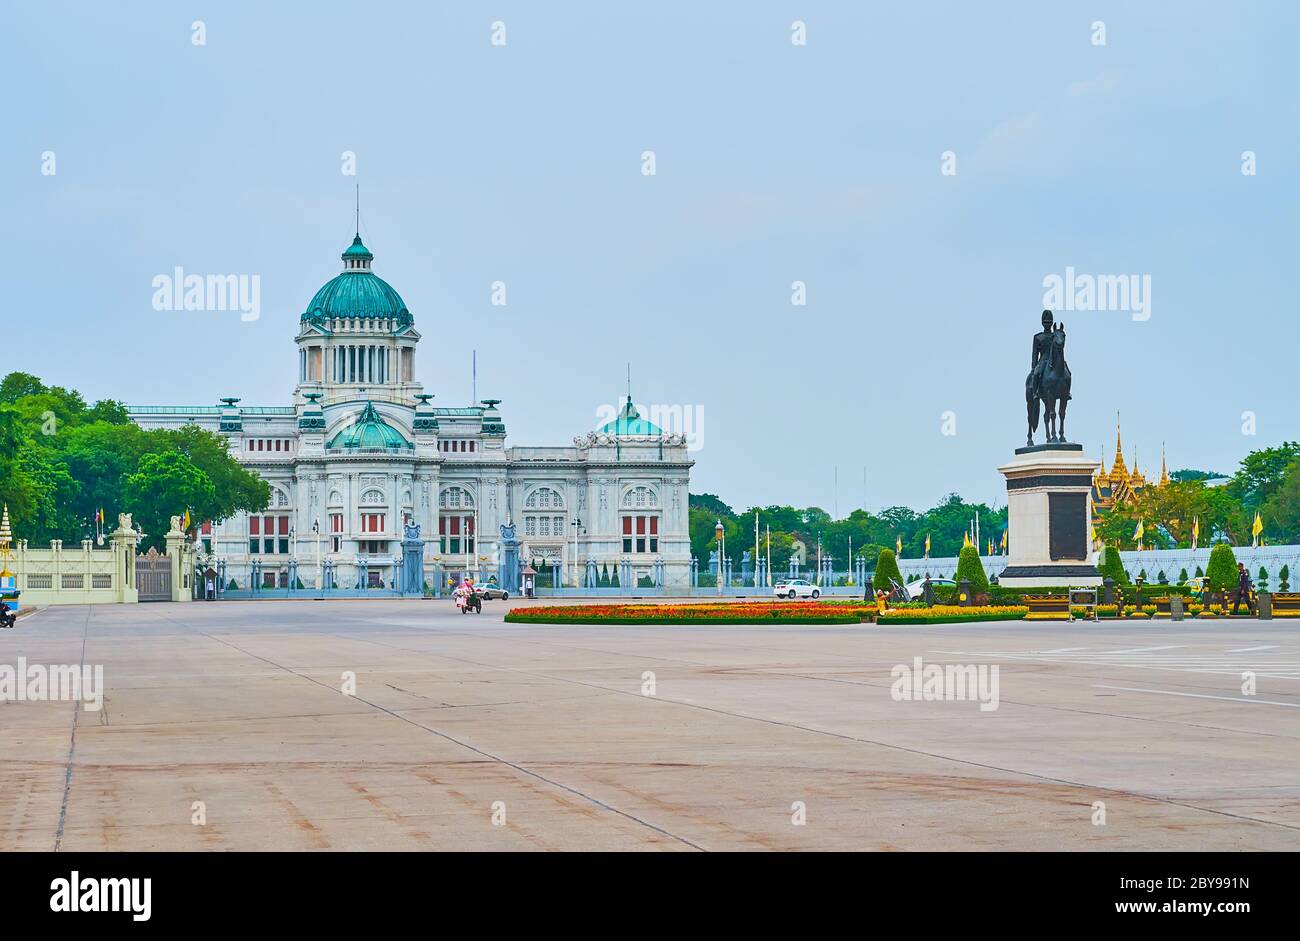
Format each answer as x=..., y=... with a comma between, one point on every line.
x=362, y=451
x=1121, y=485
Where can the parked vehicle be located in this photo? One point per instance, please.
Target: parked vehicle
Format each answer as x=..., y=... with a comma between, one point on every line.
x=915, y=589
x=796, y=588
x=493, y=593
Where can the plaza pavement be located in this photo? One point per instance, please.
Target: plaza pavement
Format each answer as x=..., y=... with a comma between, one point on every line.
x=237, y=705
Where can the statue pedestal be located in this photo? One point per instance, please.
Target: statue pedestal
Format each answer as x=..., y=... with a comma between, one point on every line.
x=1049, y=514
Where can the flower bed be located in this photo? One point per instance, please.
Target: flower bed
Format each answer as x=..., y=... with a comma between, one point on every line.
x=953, y=614
x=755, y=612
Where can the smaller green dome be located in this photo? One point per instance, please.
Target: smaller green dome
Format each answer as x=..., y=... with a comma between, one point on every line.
x=629, y=422
x=357, y=250
x=369, y=433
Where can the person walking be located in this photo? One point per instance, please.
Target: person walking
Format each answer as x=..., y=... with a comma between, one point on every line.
x=1243, y=589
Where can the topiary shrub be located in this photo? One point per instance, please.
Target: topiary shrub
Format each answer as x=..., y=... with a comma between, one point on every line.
x=1199, y=572
x=1262, y=580
x=613, y=578
x=1222, y=571
x=1182, y=576
x=886, y=569
x=233, y=586
x=1162, y=578
x=1110, y=566
x=970, y=569
x=1284, y=578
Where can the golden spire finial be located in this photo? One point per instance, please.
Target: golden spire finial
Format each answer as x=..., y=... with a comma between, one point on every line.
x=1117, y=468
x=1164, y=470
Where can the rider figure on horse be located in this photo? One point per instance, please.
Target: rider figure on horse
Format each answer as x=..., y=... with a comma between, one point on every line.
x=1048, y=381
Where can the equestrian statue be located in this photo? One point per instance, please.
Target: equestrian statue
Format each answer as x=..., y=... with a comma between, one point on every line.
x=1048, y=382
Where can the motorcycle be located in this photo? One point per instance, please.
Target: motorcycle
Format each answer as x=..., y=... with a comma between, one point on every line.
x=8, y=615
x=470, y=601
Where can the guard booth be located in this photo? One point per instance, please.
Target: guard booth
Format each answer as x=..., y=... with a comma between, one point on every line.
x=208, y=586
x=530, y=581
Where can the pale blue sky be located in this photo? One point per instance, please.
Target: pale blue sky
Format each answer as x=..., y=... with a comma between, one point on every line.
x=775, y=163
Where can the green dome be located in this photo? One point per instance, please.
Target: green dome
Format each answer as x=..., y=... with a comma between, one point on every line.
x=629, y=422
x=369, y=433
x=357, y=293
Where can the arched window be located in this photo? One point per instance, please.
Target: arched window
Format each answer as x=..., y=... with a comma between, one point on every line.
x=544, y=525
x=454, y=498
x=640, y=498
x=544, y=498
x=456, y=534
x=640, y=521
x=373, y=497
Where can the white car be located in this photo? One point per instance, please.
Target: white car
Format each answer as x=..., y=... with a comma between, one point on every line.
x=797, y=588
x=917, y=588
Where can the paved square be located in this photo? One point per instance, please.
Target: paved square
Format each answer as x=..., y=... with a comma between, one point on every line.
x=237, y=705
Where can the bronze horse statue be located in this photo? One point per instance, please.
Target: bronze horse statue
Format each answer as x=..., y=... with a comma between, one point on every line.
x=1048, y=382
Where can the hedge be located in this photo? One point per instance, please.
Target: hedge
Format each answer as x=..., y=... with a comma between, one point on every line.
x=886, y=569
x=952, y=615
x=1222, y=570
x=535, y=619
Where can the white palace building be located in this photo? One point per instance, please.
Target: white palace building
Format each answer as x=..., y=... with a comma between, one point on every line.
x=361, y=454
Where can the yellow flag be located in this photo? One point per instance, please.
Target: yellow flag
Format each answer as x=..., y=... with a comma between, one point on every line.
x=1137, y=533
x=1196, y=530
x=1004, y=540
x=187, y=520
x=898, y=546
x=1092, y=533
x=965, y=540
x=1258, y=526
x=927, y=543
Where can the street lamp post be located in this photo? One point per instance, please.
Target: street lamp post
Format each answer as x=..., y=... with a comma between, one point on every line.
x=577, y=528
x=718, y=534
x=315, y=528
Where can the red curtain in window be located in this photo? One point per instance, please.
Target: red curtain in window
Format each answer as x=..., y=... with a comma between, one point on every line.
x=284, y=526
x=254, y=525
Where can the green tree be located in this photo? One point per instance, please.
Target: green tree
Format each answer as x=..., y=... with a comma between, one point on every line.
x=163, y=486
x=969, y=568
x=1261, y=472
x=1182, y=576
x=886, y=569
x=1222, y=570
x=1281, y=511
x=1284, y=578
x=1110, y=566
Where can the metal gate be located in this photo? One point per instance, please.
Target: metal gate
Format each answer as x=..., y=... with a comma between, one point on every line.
x=153, y=576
